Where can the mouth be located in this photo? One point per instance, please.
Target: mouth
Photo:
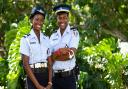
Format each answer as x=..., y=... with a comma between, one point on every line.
x=38, y=26
x=62, y=24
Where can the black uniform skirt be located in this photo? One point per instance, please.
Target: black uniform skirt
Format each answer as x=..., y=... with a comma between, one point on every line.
x=41, y=75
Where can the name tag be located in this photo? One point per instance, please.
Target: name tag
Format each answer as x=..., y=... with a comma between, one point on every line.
x=55, y=39
x=32, y=42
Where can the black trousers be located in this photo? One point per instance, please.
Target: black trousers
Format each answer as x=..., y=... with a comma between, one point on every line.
x=42, y=78
x=68, y=82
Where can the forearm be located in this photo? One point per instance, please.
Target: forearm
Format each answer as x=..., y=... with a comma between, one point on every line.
x=74, y=50
x=31, y=75
x=28, y=70
x=50, y=63
x=64, y=54
x=59, y=58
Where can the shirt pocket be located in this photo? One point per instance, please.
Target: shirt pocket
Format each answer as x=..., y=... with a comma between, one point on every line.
x=66, y=41
x=44, y=52
x=54, y=41
x=34, y=49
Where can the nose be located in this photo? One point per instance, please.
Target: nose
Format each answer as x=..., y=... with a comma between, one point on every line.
x=61, y=20
x=40, y=22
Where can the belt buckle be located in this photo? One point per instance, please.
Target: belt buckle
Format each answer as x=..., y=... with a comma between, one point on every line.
x=37, y=65
x=58, y=71
x=43, y=65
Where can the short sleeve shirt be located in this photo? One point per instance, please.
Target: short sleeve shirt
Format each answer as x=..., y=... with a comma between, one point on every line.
x=70, y=38
x=37, y=52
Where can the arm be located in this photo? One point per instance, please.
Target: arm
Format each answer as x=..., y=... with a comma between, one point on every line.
x=68, y=52
x=50, y=63
x=63, y=54
x=74, y=50
x=29, y=72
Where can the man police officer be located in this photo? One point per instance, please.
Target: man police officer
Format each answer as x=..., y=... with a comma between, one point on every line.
x=64, y=44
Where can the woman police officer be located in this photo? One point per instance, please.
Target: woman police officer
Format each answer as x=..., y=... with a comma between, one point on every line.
x=36, y=53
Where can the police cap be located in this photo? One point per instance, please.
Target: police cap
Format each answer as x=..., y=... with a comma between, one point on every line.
x=62, y=8
x=37, y=10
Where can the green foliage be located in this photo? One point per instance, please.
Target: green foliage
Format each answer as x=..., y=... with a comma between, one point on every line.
x=101, y=65
x=81, y=82
x=3, y=71
x=14, y=59
x=9, y=38
x=106, y=65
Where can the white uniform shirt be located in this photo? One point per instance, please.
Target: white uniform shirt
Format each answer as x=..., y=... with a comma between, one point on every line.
x=69, y=38
x=37, y=52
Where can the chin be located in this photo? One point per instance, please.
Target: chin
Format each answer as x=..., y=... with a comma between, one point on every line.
x=62, y=28
x=37, y=29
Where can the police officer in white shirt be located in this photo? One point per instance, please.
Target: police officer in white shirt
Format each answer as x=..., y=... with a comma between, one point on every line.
x=35, y=52
x=64, y=44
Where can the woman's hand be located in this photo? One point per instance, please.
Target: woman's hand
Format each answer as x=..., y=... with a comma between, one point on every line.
x=63, y=54
x=49, y=86
x=40, y=87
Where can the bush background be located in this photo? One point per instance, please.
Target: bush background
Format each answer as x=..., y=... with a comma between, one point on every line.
x=101, y=23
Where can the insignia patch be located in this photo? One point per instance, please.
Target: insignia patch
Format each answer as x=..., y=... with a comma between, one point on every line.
x=75, y=33
x=54, y=39
x=48, y=51
x=32, y=42
x=66, y=46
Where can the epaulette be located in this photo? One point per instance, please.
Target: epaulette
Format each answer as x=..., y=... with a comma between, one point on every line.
x=55, y=31
x=45, y=37
x=26, y=35
x=73, y=28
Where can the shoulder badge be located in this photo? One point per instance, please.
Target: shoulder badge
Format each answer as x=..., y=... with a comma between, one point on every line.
x=55, y=31
x=26, y=35
x=45, y=37
x=74, y=30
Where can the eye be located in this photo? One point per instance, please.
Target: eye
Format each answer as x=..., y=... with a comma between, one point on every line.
x=36, y=18
x=65, y=17
x=39, y=19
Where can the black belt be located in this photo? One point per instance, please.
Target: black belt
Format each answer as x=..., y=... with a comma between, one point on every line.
x=64, y=73
x=39, y=70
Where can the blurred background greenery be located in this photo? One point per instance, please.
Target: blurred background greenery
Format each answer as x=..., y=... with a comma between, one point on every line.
x=101, y=24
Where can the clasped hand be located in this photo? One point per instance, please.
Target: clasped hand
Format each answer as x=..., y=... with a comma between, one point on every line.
x=63, y=54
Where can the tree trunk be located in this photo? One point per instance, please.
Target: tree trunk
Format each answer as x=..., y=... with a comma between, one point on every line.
x=2, y=51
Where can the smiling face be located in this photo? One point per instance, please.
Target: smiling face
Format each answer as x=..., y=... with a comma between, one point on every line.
x=37, y=22
x=62, y=20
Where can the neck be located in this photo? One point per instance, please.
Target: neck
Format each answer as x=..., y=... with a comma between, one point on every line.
x=62, y=31
x=37, y=34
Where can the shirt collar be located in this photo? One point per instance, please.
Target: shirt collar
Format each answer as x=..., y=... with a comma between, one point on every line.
x=67, y=30
x=33, y=35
